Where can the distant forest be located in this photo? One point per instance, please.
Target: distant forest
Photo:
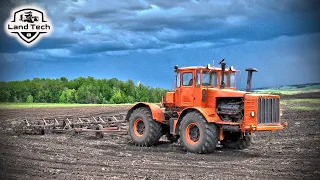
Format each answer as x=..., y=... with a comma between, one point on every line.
x=79, y=90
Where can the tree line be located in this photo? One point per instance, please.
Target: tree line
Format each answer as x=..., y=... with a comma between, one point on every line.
x=79, y=90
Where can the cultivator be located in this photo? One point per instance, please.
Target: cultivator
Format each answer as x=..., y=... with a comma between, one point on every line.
x=99, y=125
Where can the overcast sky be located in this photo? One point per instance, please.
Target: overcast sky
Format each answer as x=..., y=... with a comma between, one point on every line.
x=143, y=40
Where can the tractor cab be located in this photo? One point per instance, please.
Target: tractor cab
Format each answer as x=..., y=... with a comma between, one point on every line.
x=205, y=77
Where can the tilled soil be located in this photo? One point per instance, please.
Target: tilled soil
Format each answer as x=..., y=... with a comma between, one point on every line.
x=292, y=153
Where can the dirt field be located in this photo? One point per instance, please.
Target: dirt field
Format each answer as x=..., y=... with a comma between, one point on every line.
x=289, y=154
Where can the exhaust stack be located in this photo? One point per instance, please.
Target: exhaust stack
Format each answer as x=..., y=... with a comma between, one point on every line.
x=223, y=68
x=250, y=71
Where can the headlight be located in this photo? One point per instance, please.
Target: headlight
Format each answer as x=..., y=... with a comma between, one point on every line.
x=252, y=114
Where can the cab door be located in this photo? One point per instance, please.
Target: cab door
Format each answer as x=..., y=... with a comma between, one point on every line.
x=197, y=93
x=177, y=95
x=187, y=88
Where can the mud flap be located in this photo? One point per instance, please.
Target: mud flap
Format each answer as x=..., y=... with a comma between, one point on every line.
x=172, y=123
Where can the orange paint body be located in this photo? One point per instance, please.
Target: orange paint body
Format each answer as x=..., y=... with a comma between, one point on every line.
x=157, y=113
x=199, y=89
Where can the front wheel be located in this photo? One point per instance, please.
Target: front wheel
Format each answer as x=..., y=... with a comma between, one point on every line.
x=197, y=135
x=144, y=131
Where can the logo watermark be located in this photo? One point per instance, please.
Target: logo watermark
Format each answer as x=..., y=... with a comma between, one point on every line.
x=28, y=24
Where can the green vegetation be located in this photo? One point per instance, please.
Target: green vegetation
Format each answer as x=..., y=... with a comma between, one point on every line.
x=29, y=99
x=307, y=108
x=80, y=90
x=302, y=104
x=303, y=100
x=50, y=105
x=283, y=92
x=289, y=90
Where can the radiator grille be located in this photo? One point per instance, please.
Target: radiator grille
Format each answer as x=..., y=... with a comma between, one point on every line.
x=268, y=111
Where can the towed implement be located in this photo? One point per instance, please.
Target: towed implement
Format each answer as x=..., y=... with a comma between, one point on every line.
x=206, y=108
x=97, y=124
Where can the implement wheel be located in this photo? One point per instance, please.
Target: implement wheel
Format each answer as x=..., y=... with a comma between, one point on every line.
x=197, y=135
x=144, y=131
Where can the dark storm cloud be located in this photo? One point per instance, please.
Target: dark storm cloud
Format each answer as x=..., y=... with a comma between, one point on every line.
x=89, y=27
x=74, y=25
x=167, y=4
x=96, y=10
x=212, y=22
x=237, y=20
x=10, y=45
x=91, y=48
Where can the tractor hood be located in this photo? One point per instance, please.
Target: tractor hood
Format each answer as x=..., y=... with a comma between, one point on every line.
x=235, y=93
x=226, y=92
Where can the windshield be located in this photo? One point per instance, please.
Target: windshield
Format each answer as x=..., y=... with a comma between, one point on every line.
x=232, y=80
x=209, y=78
x=229, y=79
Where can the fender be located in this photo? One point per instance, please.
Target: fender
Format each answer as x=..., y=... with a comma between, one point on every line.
x=156, y=111
x=208, y=113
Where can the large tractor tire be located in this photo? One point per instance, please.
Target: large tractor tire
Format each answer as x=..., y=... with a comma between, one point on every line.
x=144, y=131
x=236, y=141
x=197, y=135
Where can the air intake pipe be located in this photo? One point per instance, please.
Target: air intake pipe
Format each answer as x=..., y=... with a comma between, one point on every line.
x=250, y=71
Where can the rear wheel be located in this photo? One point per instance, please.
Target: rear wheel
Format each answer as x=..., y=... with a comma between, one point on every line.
x=197, y=135
x=236, y=141
x=144, y=131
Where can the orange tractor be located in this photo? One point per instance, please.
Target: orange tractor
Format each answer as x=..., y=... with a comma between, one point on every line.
x=206, y=108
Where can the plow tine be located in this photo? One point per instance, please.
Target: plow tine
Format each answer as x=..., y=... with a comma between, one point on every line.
x=114, y=118
x=68, y=124
x=68, y=120
x=95, y=120
x=101, y=119
x=27, y=122
x=79, y=120
x=56, y=121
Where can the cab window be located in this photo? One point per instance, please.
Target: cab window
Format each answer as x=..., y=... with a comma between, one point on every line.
x=178, y=79
x=187, y=79
x=229, y=79
x=198, y=79
x=226, y=79
x=214, y=80
x=232, y=80
x=209, y=78
x=205, y=78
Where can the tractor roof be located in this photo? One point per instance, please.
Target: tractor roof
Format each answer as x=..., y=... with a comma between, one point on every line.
x=206, y=68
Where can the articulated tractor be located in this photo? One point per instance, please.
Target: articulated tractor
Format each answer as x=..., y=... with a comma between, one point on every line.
x=204, y=109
